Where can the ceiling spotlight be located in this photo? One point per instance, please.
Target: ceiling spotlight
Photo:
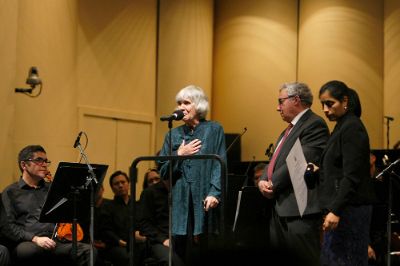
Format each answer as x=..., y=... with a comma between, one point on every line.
x=32, y=80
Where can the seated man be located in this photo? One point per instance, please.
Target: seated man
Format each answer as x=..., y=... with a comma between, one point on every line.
x=23, y=201
x=115, y=223
x=154, y=220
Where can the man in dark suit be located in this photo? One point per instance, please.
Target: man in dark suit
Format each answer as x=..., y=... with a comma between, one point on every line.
x=288, y=230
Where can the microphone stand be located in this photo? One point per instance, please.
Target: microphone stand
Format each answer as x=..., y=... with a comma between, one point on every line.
x=89, y=182
x=170, y=196
x=390, y=198
x=234, y=141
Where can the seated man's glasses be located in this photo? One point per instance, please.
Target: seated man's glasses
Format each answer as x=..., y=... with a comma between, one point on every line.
x=40, y=161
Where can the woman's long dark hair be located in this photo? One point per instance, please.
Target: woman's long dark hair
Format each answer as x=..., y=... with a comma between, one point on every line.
x=339, y=90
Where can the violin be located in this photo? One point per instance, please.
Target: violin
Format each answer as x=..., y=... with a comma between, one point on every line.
x=64, y=232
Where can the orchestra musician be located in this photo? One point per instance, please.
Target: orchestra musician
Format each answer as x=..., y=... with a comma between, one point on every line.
x=22, y=203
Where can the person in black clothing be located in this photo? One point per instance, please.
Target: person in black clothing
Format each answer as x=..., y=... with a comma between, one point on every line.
x=22, y=204
x=151, y=177
x=4, y=252
x=115, y=223
x=345, y=192
x=99, y=202
x=85, y=224
x=154, y=221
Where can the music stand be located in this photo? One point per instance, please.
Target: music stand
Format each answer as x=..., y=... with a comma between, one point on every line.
x=251, y=208
x=69, y=189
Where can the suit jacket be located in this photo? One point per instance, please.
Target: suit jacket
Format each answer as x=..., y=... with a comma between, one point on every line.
x=313, y=133
x=345, y=168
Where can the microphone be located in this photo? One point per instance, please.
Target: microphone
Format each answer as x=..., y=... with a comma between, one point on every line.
x=176, y=115
x=78, y=139
x=388, y=118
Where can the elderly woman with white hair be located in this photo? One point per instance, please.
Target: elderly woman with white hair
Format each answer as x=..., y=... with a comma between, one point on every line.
x=196, y=183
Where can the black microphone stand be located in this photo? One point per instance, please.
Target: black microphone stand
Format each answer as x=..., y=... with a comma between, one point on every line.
x=170, y=195
x=234, y=141
x=390, y=198
x=89, y=182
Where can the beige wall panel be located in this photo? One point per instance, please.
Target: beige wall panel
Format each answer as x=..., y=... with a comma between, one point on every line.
x=254, y=53
x=116, y=138
x=134, y=140
x=184, y=53
x=392, y=69
x=46, y=39
x=116, y=61
x=343, y=40
x=116, y=71
x=8, y=43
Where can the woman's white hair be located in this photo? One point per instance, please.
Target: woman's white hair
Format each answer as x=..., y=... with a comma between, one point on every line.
x=197, y=96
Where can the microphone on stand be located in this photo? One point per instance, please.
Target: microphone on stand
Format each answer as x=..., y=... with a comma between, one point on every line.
x=176, y=115
x=90, y=184
x=78, y=139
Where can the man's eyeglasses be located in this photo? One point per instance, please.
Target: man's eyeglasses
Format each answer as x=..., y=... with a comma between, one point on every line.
x=282, y=100
x=328, y=104
x=40, y=161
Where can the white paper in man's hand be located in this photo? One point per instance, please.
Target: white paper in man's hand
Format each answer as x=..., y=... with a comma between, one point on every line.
x=296, y=163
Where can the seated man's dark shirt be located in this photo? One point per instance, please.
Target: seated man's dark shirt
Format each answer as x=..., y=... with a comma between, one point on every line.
x=23, y=204
x=114, y=221
x=153, y=216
